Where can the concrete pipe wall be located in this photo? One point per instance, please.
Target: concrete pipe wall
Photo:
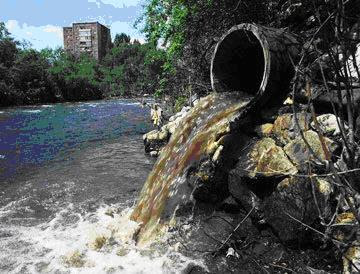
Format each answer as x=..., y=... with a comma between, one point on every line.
x=254, y=59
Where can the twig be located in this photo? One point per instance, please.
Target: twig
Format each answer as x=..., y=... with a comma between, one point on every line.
x=238, y=5
x=235, y=229
x=315, y=230
x=282, y=267
x=327, y=174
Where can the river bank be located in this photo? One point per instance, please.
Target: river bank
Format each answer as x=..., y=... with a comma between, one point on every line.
x=249, y=203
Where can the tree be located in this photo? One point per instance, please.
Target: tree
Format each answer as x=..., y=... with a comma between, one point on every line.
x=4, y=33
x=28, y=76
x=121, y=38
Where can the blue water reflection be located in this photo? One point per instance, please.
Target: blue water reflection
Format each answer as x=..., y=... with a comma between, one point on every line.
x=30, y=136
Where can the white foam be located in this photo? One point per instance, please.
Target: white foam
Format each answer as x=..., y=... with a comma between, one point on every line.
x=131, y=104
x=55, y=244
x=32, y=111
x=92, y=104
x=2, y=156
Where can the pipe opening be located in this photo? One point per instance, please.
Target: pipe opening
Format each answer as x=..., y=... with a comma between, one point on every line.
x=239, y=63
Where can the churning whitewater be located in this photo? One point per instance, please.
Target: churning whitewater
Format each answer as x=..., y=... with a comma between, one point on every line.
x=70, y=174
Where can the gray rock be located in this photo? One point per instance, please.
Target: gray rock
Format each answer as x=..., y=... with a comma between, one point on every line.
x=155, y=140
x=299, y=153
x=293, y=198
x=154, y=153
x=328, y=124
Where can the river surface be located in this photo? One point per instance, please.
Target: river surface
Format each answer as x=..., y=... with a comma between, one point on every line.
x=63, y=168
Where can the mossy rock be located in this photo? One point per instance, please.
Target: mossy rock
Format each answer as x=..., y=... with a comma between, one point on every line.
x=285, y=128
x=299, y=152
x=264, y=158
x=264, y=130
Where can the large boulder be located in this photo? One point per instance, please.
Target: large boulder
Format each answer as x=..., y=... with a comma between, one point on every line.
x=263, y=158
x=299, y=152
x=260, y=166
x=286, y=129
x=328, y=124
x=293, y=205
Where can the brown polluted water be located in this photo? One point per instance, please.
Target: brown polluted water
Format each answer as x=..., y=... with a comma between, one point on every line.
x=199, y=135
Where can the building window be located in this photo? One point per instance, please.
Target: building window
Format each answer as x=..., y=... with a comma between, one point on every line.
x=84, y=32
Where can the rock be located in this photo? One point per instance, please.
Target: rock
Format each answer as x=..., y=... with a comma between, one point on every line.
x=345, y=218
x=265, y=159
x=231, y=253
x=322, y=99
x=344, y=228
x=242, y=194
x=123, y=251
x=299, y=152
x=185, y=109
x=154, y=153
x=285, y=128
x=328, y=124
x=209, y=184
x=98, y=242
x=264, y=130
x=110, y=212
x=323, y=191
x=155, y=140
x=289, y=101
x=230, y=206
x=357, y=126
x=293, y=197
x=156, y=135
x=351, y=259
x=74, y=259
x=217, y=154
x=175, y=120
x=261, y=165
x=269, y=115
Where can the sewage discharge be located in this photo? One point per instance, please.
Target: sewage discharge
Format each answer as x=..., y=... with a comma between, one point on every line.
x=251, y=68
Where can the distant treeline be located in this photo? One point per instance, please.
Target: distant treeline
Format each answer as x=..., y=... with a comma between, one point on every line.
x=28, y=76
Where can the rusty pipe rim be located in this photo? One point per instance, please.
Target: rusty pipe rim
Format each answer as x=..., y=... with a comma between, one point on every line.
x=265, y=49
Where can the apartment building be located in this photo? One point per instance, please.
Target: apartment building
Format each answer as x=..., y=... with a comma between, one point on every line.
x=91, y=37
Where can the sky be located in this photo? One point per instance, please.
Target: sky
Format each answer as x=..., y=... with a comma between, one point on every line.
x=40, y=22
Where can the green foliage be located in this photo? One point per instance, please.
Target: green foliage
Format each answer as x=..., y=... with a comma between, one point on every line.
x=121, y=38
x=133, y=68
x=187, y=30
x=4, y=33
x=180, y=102
x=28, y=76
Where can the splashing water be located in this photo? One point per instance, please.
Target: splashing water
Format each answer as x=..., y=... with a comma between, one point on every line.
x=69, y=212
x=100, y=242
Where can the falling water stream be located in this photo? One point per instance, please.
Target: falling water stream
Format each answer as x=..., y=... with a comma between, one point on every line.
x=71, y=175
x=68, y=175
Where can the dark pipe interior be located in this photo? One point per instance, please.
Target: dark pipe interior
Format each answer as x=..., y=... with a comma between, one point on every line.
x=239, y=62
